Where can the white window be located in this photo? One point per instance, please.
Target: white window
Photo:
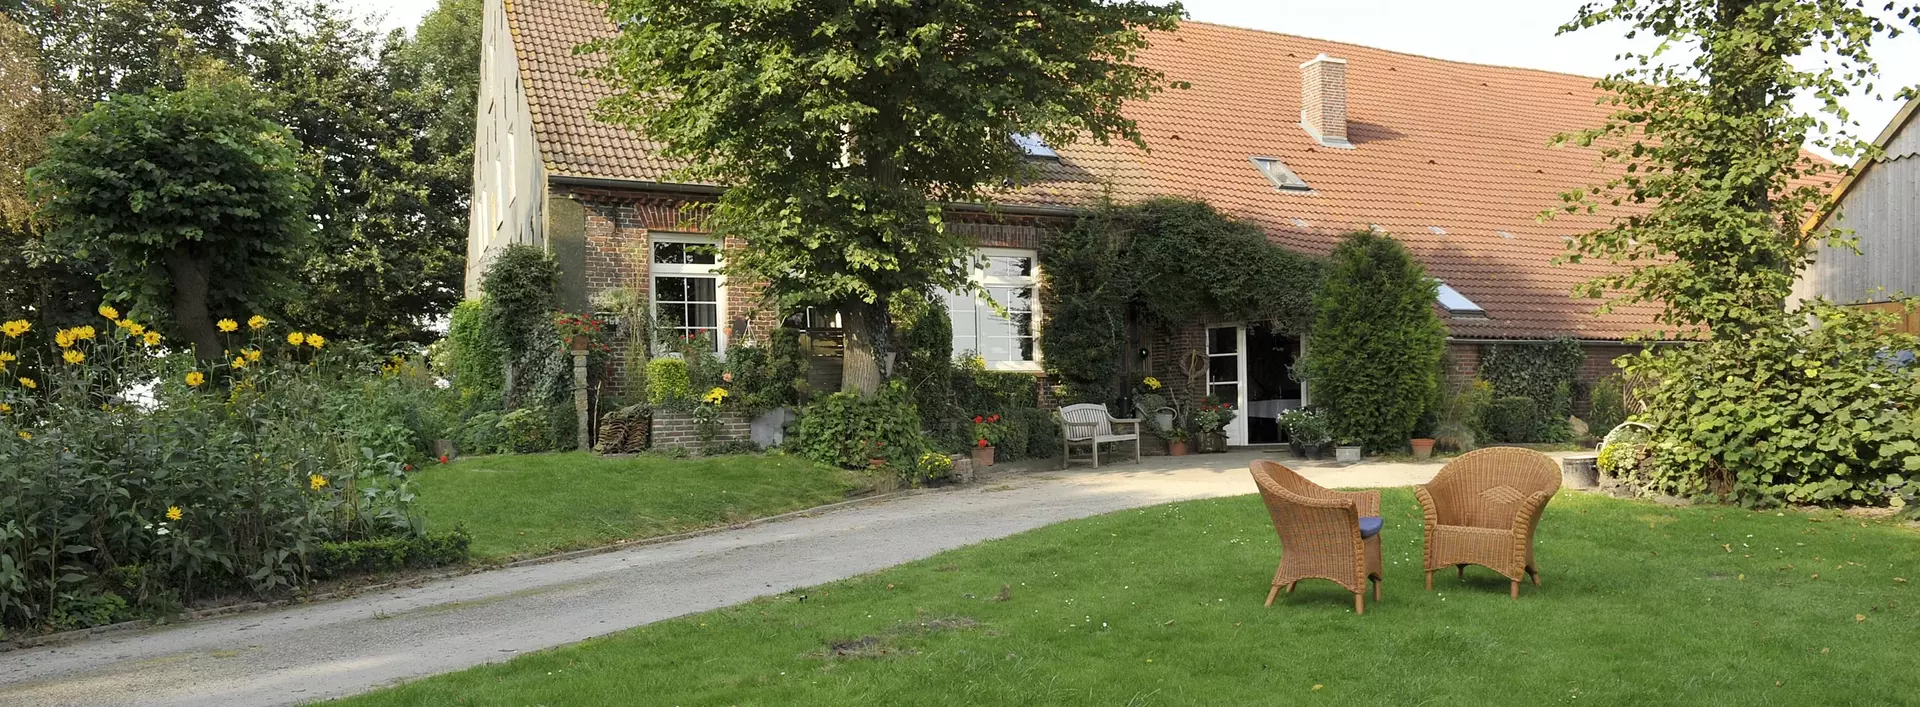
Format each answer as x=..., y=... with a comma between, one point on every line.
x=688, y=296
x=1005, y=342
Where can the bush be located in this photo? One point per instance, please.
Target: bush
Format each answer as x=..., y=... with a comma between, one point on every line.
x=1374, y=353
x=668, y=385
x=528, y=430
x=1042, y=432
x=768, y=375
x=129, y=472
x=1460, y=423
x=1790, y=412
x=1544, y=373
x=380, y=555
x=847, y=431
x=1512, y=418
x=1608, y=407
x=979, y=391
x=476, y=360
x=926, y=364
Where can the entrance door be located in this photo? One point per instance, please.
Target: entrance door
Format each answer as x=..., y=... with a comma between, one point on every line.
x=1248, y=366
x=1226, y=368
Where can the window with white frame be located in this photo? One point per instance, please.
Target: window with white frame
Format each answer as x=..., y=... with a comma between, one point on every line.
x=688, y=295
x=1002, y=336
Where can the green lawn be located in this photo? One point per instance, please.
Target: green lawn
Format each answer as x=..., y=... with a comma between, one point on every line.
x=1643, y=605
x=533, y=504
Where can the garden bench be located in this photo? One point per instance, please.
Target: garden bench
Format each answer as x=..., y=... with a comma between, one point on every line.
x=1090, y=424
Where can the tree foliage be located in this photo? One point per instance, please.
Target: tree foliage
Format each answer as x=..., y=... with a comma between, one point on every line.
x=1373, y=353
x=838, y=127
x=1163, y=262
x=190, y=200
x=1711, y=205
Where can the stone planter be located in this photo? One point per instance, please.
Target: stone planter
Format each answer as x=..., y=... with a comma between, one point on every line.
x=1580, y=471
x=1299, y=450
x=962, y=471
x=982, y=457
x=769, y=428
x=1422, y=447
x=1346, y=454
x=1312, y=451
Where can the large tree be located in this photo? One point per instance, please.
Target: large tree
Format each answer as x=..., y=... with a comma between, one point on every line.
x=1775, y=402
x=190, y=200
x=839, y=128
x=1373, y=352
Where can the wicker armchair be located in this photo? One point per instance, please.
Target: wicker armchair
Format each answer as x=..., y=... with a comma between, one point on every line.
x=1333, y=535
x=1482, y=508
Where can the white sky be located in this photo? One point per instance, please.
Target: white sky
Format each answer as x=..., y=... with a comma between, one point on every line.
x=1504, y=32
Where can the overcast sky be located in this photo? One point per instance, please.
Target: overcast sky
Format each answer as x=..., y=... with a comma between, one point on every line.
x=1504, y=32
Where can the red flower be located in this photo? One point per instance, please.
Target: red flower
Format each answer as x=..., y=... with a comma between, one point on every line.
x=406, y=467
x=995, y=418
x=978, y=419
x=983, y=442
x=1226, y=406
x=443, y=459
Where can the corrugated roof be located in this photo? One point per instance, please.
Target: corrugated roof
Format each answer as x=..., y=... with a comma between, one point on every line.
x=1452, y=159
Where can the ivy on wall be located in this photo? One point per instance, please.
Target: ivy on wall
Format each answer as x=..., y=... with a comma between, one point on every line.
x=1163, y=262
x=1544, y=373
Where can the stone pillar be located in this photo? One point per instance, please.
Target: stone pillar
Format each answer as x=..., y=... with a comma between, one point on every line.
x=583, y=432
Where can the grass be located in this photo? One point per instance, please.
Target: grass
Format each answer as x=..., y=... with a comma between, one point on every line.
x=1643, y=605
x=534, y=504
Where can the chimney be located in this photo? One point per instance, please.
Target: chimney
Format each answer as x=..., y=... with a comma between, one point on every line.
x=1323, y=100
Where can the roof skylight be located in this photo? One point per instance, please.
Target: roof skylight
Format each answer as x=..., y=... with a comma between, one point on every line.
x=1457, y=304
x=1035, y=146
x=1276, y=171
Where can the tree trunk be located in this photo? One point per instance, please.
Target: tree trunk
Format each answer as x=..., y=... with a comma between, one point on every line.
x=865, y=326
x=192, y=271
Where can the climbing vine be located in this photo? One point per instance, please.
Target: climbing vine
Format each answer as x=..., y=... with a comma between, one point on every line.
x=1543, y=373
x=1162, y=262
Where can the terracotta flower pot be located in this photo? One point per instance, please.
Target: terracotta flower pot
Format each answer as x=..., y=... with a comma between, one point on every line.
x=1177, y=448
x=982, y=456
x=578, y=342
x=1422, y=447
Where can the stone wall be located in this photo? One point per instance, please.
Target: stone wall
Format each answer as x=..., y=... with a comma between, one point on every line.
x=677, y=430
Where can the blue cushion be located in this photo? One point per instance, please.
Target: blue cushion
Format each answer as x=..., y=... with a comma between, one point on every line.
x=1370, y=526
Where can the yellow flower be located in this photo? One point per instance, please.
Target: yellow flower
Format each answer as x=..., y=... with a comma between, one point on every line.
x=716, y=396
x=73, y=356
x=25, y=435
x=5, y=408
x=257, y=322
x=316, y=482
x=28, y=383
x=296, y=338
x=174, y=513
x=132, y=327
x=316, y=340
x=239, y=362
x=1151, y=382
x=252, y=354
x=227, y=325
x=152, y=338
x=109, y=312
x=15, y=328
x=196, y=378
x=63, y=337
x=85, y=332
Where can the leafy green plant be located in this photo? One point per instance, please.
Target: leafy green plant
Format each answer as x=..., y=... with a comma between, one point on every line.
x=668, y=385
x=527, y=430
x=1213, y=416
x=133, y=471
x=1608, y=407
x=1544, y=373
x=1308, y=427
x=846, y=430
x=477, y=360
x=1460, y=422
x=1374, y=350
x=1512, y=418
x=768, y=374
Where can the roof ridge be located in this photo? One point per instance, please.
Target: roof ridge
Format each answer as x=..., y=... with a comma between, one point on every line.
x=1392, y=51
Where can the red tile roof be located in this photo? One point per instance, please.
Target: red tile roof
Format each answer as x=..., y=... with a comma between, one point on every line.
x=1451, y=158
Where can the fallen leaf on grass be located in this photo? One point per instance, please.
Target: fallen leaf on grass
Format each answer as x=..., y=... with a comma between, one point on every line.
x=1316, y=687
x=1859, y=617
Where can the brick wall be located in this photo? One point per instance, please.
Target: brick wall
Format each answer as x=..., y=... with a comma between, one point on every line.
x=677, y=430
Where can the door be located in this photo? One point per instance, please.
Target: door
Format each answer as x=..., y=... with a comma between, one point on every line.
x=1226, y=369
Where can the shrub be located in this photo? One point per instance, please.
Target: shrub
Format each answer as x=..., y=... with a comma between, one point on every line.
x=1042, y=432
x=1608, y=407
x=668, y=385
x=846, y=430
x=129, y=472
x=527, y=430
x=476, y=359
x=1791, y=412
x=379, y=555
x=980, y=391
x=1460, y=422
x=1374, y=353
x=770, y=374
x=1544, y=373
x=1512, y=418
x=926, y=364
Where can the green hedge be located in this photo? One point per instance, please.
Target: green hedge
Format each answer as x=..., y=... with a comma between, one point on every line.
x=381, y=555
x=1545, y=373
x=1513, y=418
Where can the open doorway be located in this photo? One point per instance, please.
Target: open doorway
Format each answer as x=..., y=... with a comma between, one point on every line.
x=1271, y=388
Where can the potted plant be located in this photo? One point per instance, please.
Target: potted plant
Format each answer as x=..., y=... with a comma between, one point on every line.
x=1310, y=429
x=1176, y=442
x=1347, y=451
x=1289, y=422
x=986, y=432
x=1422, y=447
x=1211, y=424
